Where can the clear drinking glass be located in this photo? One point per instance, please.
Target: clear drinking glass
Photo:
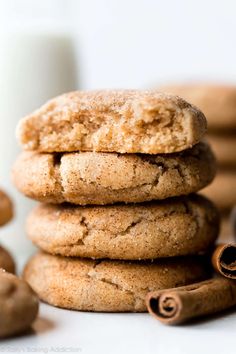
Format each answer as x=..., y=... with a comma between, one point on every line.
x=37, y=62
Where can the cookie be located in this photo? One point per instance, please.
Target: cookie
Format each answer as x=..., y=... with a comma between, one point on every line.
x=108, y=286
x=6, y=261
x=18, y=304
x=223, y=190
x=106, y=178
x=172, y=227
x=224, y=147
x=218, y=102
x=113, y=121
x=6, y=208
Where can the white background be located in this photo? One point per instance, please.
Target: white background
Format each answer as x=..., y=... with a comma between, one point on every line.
x=136, y=44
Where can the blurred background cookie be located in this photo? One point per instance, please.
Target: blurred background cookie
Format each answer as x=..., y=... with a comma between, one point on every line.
x=224, y=147
x=6, y=208
x=6, y=213
x=18, y=303
x=218, y=103
x=6, y=261
x=223, y=190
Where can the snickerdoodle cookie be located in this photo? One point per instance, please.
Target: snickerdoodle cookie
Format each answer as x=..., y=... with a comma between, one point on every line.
x=106, y=178
x=110, y=286
x=18, y=305
x=6, y=261
x=173, y=227
x=218, y=102
x=122, y=121
x=6, y=208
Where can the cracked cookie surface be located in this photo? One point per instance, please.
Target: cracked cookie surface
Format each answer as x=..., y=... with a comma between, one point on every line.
x=106, y=178
x=124, y=121
x=173, y=227
x=108, y=286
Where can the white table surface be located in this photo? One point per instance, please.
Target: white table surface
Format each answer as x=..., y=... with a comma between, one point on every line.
x=64, y=331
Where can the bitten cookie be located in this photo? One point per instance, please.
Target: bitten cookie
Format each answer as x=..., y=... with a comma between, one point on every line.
x=109, y=286
x=6, y=208
x=18, y=305
x=172, y=227
x=106, y=178
x=6, y=261
x=223, y=190
x=113, y=121
x=218, y=103
x=224, y=147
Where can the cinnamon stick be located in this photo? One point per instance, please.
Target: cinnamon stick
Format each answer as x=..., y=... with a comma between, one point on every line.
x=224, y=260
x=178, y=305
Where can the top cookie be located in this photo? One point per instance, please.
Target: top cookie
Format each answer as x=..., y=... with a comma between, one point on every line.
x=113, y=121
x=217, y=102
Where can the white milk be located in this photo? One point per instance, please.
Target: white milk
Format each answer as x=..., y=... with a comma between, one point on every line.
x=35, y=65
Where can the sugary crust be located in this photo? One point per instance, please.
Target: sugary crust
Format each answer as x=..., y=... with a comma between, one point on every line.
x=6, y=208
x=224, y=147
x=223, y=190
x=109, y=286
x=174, y=227
x=18, y=304
x=105, y=178
x=122, y=121
x=6, y=261
x=217, y=102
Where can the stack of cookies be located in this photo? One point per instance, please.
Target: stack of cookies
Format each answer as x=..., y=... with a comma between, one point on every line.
x=115, y=172
x=6, y=213
x=219, y=105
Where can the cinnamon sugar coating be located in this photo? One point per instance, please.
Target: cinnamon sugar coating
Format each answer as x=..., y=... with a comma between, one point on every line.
x=172, y=227
x=108, y=286
x=122, y=121
x=105, y=178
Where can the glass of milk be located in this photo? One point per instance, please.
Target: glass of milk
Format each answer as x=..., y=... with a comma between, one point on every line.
x=37, y=62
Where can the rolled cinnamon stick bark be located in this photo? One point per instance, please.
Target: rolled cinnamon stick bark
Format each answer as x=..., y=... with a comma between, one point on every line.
x=224, y=260
x=178, y=305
